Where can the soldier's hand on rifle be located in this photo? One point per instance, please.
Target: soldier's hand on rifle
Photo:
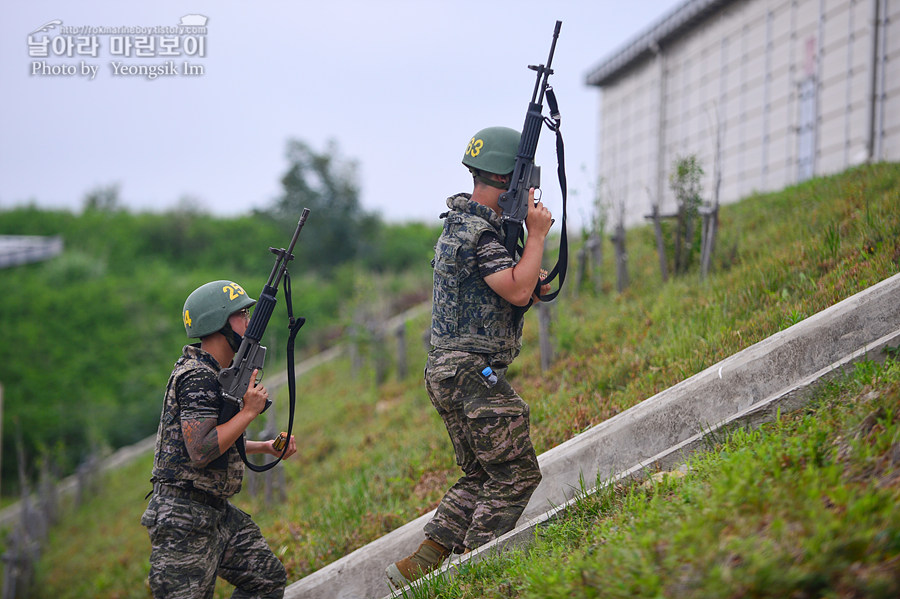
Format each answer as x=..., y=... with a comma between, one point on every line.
x=539, y=219
x=255, y=397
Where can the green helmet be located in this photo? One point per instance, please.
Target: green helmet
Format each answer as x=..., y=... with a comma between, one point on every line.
x=207, y=308
x=493, y=150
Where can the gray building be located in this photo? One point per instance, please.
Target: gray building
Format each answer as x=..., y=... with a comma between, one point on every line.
x=766, y=93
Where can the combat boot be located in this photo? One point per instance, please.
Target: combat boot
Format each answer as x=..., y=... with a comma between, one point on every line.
x=426, y=558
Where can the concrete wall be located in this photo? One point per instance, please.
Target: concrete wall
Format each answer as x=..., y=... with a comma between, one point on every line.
x=792, y=89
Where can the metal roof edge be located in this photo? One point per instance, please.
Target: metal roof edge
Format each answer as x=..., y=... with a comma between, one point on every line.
x=679, y=19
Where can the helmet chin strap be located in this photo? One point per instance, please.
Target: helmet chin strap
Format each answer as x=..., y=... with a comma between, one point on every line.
x=234, y=340
x=482, y=178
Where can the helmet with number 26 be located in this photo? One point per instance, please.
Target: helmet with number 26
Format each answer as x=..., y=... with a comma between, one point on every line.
x=493, y=150
x=207, y=308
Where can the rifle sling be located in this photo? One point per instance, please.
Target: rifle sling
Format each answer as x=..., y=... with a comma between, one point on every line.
x=562, y=262
x=294, y=328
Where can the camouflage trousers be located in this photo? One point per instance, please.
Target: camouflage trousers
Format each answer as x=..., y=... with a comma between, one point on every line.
x=193, y=543
x=489, y=428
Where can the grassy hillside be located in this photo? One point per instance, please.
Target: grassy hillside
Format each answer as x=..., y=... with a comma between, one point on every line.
x=373, y=458
x=806, y=506
x=91, y=335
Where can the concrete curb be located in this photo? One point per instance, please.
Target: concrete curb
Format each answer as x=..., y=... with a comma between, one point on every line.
x=757, y=414
x=744, y=389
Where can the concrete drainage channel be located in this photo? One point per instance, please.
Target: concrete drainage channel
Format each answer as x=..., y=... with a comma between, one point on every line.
x=745, y=389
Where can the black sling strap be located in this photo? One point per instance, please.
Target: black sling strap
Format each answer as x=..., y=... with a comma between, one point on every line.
x=562, y=262
x=294, y=325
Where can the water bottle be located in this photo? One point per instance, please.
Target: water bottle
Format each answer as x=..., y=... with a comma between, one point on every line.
x=490, y=376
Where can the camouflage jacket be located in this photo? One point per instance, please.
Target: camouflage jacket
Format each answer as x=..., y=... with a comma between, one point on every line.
x=194, y=393
x=467, y=315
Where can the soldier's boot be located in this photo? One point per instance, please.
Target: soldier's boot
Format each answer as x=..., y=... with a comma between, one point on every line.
x=426, y=558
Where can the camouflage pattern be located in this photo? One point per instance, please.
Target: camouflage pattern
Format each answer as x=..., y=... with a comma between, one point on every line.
x=193, y=543
x=488, y=424
x=489, y=428
x=466, y=313
x=193, y=393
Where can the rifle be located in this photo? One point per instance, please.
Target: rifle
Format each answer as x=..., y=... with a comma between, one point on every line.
x=526, y=174
x=251, y=355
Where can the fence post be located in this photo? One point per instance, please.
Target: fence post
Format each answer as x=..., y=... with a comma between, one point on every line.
x=379, y=356
x=660, y=246
x=1, y=428
x=544, y=319
x=708, y=238
x=595, y=247
x=618, y=239
x=581, y=274
x=19, y=557
x=400, y=333
x=357, y=329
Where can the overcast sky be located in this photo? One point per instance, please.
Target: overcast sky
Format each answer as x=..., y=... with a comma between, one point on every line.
x=399, y=85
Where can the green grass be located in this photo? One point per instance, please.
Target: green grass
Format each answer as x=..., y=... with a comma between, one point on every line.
x=371, y=459
x=802, y=507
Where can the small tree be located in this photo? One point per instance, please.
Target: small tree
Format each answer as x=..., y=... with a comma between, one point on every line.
x=684, y=180
x=711, y=213
x=103, y=199
x=328, y=184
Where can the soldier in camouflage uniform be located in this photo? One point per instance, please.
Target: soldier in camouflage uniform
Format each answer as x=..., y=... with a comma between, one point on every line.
x=475, y=335
x=196, y=534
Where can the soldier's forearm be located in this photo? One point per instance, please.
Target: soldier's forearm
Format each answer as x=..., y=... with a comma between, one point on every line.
x=202, y=440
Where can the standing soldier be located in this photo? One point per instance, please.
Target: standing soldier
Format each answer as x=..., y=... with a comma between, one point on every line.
x=195, y=532
x=476, y=333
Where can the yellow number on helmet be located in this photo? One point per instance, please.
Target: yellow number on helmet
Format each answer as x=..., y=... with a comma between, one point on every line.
x=233, y=290
x=474, y=147
x=187, y=318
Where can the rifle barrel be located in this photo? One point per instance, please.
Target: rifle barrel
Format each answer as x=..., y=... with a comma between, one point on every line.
x=285, y=256
x=546, y=71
